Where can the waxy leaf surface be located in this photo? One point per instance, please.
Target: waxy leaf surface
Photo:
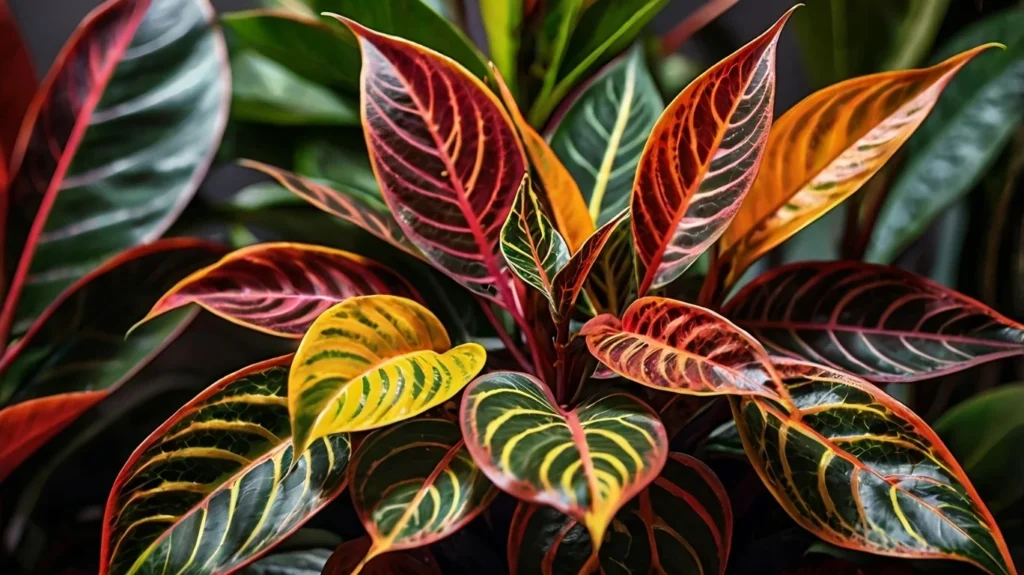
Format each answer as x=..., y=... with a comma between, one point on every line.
x=679, y=525
x=218, y=484
x=533, y=248
x=860, y=470
x=569, y=282
x=586, y=463
x=700, y=161
x=372, y=361
x=877, y=322
x=683, y=348
x=281, y=288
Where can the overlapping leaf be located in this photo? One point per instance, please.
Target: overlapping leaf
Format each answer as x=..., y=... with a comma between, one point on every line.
x=824, y=149
x=372, y=361
x=701, y=159
x=858, y=469
x=878, y=322
x=410, y=562
x=281, y=288
x=679, y=525
x=415, y=483
x=304, y=562
x=532, y=246
x=586, y=463
x=266, y=92
x=502, y=20
x=569, y=282
x=218, y=484
x=674, y=346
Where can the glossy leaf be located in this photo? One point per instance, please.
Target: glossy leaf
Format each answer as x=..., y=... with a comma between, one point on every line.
x=281, y=288
x=446, y=156
x=858, y=469
x=114, y=146
x=604, y=130
x=306, y=562
x=569, y=282
x=611, y=284
x=268, y=93
x=824, y=149
x=701, y=159
x=415, y=483
x=502, y=20
x=586, y=463
x=877, y=322
x=410, y=562
x=533, y=248
x=679, y=525
x=372, y=361
x=674, y=346
x=971, y=123
x=18, y=88
x=217, y=484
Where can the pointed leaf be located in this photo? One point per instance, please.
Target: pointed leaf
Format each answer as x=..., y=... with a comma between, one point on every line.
x=410, y=562
x=372, y=361
x=587, y=462
x=611, y=284
x=679, y=525
x=281, y=288
x=701, y=159
x=533, y=248
x=858, y=469
x=825, y=148
x=19, y=85
x=603, y=132
x=674, y=346
x=446, y=156
x=877, y=322
x=415, y=483
x=569, y=282
x=217, y=484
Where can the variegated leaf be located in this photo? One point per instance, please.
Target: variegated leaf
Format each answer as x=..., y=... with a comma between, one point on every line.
x=611, y=284
x=532, y=247
x=410, y=562
x=568, y=283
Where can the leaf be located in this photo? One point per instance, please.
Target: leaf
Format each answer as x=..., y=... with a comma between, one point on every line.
x=534, y=250
x=117, y=146
x=19, y=85
x=824, y=149
x=266, y=92
x=502, y=20
x=956, y=146
x=372, y=361
x=858, y=469
x=984, y=432
x=343, y=162
x=415, y=483
x=446, y=157
x=683, y=348
x=586, y=463
x=410, y=562
x=217, y=484
x=306, y=562
x=604, y=130
x=671, y=41
x=281, y=288
x=75, y=354
x=679, y=525
x=569, y=281
x=701, y=159
x=876, y=322
x=611, y=284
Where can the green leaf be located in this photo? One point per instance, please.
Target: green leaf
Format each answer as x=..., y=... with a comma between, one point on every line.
x=502, y=20
x=961, y=139
x=411, y=562
x=533, y=248
x=261, y=196
x=269, y=93
x=602, y=135
x=343, y=162
x=308, y=562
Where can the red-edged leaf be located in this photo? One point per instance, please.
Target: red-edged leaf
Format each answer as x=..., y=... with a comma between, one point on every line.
x=446, y=156
x=27, y=426
x=18, y=87
x=701, y=159
x=410, y=562
x=682, y=348
x=878, y=322
x=568, y=283
x=281, y=288
x=534, y=250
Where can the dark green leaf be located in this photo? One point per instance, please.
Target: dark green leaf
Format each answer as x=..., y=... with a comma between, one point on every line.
x=308, y=562
x=269, y=93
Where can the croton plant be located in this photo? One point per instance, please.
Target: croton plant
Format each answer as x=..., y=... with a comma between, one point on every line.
x=553, y=318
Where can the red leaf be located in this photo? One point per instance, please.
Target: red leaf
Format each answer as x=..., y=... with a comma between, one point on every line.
x=18, y=87
x=408, y=562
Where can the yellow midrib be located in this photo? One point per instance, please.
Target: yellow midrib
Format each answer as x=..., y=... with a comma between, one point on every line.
x=604, y=174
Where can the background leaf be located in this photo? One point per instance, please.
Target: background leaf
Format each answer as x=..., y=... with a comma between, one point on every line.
x=19, y=85
x=307, y=562
x=533, y=248
x=502, y=21
x=269, y=93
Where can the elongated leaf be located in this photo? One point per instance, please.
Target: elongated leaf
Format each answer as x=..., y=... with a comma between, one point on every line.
x=679, y=525
x=858, y=469
x=372, y=361
x=971, y=123
x=446, y=156
x=281, y=288
x=701, y=159
x=307, y=562
x=410, y=562
x=18, y=88
x=555, y=22
x=674, y=346
x=586, y=463
x=878, y=322
x=268, y=93
x=502, y=20
x=533, y=248
x=415, y=483
x=116, y=143
x=218, y=484
x=345, y=163
x=568, y=283
x=611, y=283
x=603, y=132
x=824, y=149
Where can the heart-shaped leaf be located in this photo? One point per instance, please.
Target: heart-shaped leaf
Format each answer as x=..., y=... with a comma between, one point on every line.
x=860, y=470
x=586, y=463
x=683, y=348
x=18, y=88
x=372, y=361
x=532, y=246
x=679, y=525
x=415, y=483
x=218, y=484
x=824, y=149
x=281, y=288
x=878, y=322
x=410, y=562
x=701, y=159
